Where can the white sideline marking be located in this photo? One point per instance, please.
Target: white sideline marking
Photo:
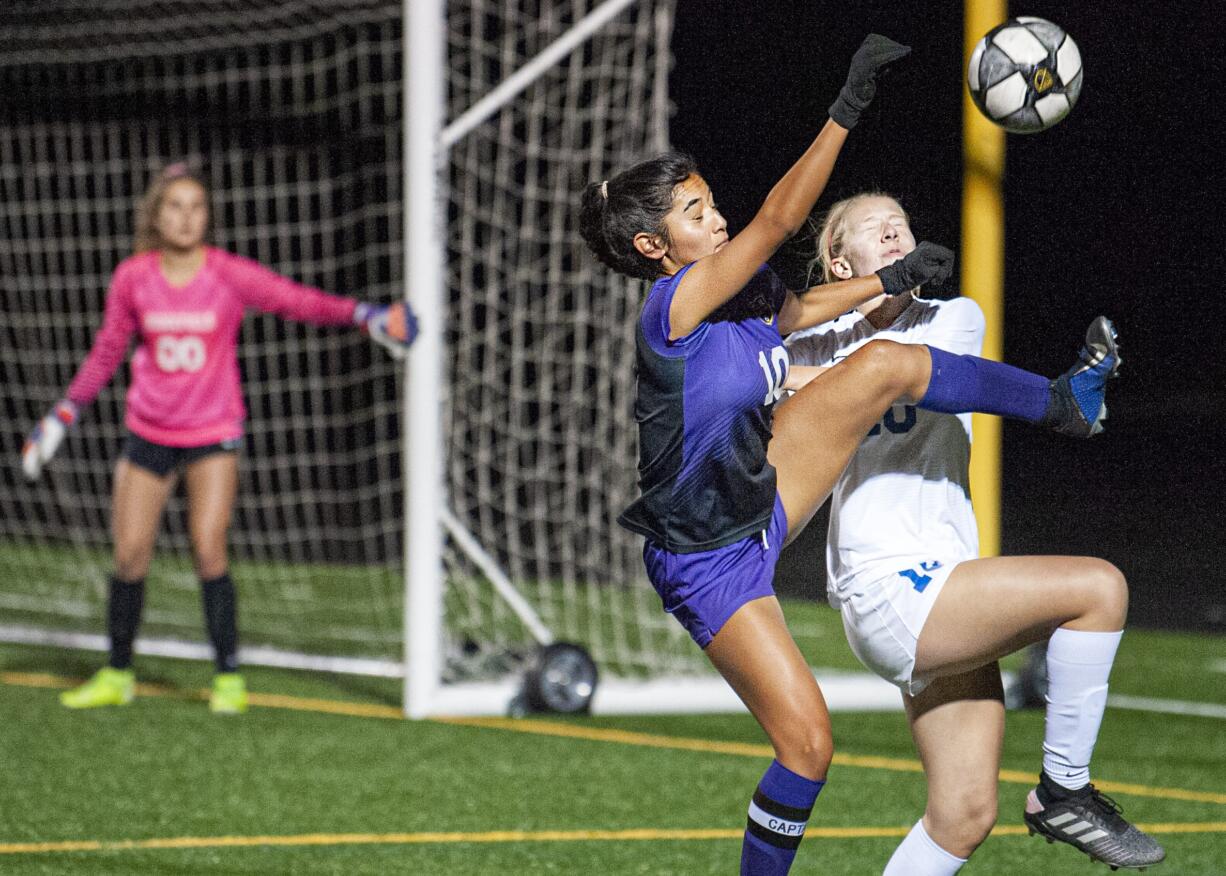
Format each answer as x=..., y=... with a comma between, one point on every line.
x=258, y=656
x=1167, y=707
x=844, y=691
x=852, y=691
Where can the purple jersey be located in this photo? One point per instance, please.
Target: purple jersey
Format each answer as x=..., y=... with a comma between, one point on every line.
x=703, y=408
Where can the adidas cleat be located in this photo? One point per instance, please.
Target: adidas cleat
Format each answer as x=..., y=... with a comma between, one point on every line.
x=107, y=687
x=1078, y=396
x=229, y=696
x=1091, y=822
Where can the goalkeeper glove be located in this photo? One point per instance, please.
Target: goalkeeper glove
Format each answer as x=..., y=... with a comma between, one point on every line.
x=874, y=54
x=46, y=438
x=927, y=263
x=393, y=326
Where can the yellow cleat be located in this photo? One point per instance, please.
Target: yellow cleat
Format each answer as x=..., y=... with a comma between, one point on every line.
x=229, y=695
x=108, y=687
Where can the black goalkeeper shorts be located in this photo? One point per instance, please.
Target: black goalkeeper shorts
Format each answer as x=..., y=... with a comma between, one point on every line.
x=162, y=460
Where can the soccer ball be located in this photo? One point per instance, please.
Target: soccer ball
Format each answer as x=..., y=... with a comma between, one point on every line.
x=1025, y=74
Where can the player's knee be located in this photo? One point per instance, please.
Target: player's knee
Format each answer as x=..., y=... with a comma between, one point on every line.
x=961, y=823
x=210, y=556
x=131, y=561
x=212, y=566
x=1109, y=590
x=880, y=356
x=807, y=748
x=889, y=365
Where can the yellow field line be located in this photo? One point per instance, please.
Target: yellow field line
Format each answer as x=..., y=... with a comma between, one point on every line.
x=330, y=839
x=604, y=734
x=503, y=836
x=573, y=731
x=271, y=701
x=331, y=707
x=601, y=734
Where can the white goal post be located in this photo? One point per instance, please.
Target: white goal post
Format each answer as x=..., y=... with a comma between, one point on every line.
x=429, y=143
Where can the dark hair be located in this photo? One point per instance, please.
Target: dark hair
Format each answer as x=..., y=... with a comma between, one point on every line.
x=632, y=202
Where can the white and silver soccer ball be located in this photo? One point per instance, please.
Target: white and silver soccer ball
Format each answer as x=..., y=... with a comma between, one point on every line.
x=1025, y=75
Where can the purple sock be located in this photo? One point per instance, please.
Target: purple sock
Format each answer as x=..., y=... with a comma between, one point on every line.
x=960, y=384
x=777, y=816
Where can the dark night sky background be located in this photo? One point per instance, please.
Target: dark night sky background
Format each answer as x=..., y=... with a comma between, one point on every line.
x=1116, y=210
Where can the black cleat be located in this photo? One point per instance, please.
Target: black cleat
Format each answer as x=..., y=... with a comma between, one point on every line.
x=1091, y=822
x=1078, y=396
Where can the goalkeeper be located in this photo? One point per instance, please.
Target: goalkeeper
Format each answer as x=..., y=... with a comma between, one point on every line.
x=184, y=301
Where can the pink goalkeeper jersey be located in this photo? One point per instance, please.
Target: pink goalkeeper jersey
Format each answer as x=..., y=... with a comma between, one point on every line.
x=185, y=390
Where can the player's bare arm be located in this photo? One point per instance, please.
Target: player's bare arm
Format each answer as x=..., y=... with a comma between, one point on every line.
x=719, y=276
x=723, y=272
x=822, y=303
x=800, y=375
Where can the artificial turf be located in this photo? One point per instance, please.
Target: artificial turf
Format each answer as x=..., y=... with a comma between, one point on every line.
x=377, y=794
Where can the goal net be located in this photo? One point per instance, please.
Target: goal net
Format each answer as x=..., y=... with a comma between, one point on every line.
x=293, y=111
x=538, y=420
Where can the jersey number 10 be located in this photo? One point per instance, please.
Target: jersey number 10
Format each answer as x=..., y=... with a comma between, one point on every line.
x=776, y=371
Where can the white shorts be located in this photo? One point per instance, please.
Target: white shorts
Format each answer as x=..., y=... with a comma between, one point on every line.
x=883, y=618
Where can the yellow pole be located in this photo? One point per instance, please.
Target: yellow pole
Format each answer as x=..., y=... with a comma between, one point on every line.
x=983, y=261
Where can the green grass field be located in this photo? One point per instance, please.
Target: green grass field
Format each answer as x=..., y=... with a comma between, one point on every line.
x=322, y=776
x=335, y=610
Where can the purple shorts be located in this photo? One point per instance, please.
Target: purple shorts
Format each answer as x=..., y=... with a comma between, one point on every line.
x=702, y=590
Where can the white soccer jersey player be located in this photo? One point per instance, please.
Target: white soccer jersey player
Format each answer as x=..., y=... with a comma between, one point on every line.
x=901, y=515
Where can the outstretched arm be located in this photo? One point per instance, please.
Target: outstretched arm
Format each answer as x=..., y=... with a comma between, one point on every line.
x=270, y=292
x=927, y=263
x=717, y=278
x=393, y=326
x=823, y=303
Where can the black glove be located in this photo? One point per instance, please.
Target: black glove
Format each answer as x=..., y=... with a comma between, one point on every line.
x=927, y=263
x=874, y=54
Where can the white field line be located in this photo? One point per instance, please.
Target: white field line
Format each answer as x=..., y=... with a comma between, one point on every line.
x=257, y=656
x=1167, y=707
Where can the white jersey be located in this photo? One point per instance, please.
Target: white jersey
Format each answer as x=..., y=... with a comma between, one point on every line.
x=904, y=498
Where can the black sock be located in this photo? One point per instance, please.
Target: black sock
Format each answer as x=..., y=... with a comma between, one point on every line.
x=221, y=620
x=1049, y=790
x=123, y=611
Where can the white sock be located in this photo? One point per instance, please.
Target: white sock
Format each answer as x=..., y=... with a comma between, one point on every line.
x=1078, y=664
x=918, y=855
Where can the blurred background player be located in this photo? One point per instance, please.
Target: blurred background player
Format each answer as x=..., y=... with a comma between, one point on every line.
x=716, y=507
x=924, y=613
x=185, y=300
